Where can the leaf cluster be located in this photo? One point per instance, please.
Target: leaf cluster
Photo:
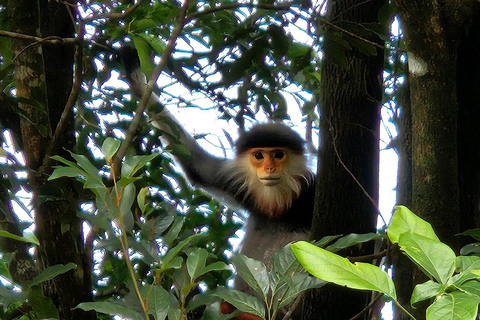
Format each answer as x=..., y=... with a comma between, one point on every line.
x=453, y=288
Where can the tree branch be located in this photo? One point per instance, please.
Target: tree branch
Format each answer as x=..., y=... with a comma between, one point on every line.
x=51, y=39
x=230, y=6
x=149, y=89
x=115, y=15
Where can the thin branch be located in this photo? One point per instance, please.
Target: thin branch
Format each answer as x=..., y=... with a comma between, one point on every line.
x=365, y=192
x=115, y=15
x=368, y=257
x=63, y=122
x=371, y=304
x=351, y=34
x=294, y=305
x=149, y=89
x=51, y=39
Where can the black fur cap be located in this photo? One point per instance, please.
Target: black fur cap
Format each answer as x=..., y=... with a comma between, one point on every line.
x=270, y=135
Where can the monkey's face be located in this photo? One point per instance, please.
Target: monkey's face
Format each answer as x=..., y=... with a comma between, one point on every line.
x=269, y=163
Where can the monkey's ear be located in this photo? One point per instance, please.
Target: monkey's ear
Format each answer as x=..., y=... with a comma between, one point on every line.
x=227, y=308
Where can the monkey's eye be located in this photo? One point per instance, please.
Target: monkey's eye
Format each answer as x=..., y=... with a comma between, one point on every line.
x=279, y=155
x=258, y=155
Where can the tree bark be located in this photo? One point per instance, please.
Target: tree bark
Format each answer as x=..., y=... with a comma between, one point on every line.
x=44, y=77
x=441, y=116
x=348, y=157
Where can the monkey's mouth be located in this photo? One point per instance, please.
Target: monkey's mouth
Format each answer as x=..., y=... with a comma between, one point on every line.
x=270, y=181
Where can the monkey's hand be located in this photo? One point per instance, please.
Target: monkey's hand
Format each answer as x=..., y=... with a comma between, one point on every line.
x=227, y=308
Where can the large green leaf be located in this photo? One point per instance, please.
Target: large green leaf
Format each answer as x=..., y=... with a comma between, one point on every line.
x=111, y=308
x=404, y=220
x=351, y=240
x=242, y=301
x=298, y=284
x=434, y=257
x=196, y=262
x=471, y=287
x=426, y=291
x=454, y=306
x=253, y=272
x=158, y=302
x=51, y=272
x=27, y=237
x=330, y=267
x=468, y=268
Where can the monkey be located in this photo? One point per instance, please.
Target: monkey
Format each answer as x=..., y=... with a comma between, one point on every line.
x=268, y=177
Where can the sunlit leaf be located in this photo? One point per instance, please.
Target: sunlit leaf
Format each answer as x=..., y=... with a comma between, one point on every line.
x=330, y=267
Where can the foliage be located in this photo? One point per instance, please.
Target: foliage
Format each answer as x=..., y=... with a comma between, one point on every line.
x=454, y=285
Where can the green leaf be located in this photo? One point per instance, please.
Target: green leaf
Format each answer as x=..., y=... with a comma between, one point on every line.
x=27, y=237
x=468, y=269
x=471, y=287
x=426, y=291
x=404, y=220
x=69, y=172
x=131, y=166
x=141, y=198
x=4, y=272
x=93, y=180
x=434, y=257
x=298, y=284
x=253, y=272
x=174, y=230
x=128, y=196
x=474, y=233
x=110, y=147
x=144, y=54
x=326, y=240
x=173, y=252
x=51, y=272
x=330, y=267
x=43, y=306
x=158, y=302
x=110, y=308
x=196, y=261
x=454, y=306
x=285, y=263
x=203, y=299
x=242, y=301
x=216, y=266
x=352, y=240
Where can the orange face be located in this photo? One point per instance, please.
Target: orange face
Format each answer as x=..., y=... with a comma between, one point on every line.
x=269, y=163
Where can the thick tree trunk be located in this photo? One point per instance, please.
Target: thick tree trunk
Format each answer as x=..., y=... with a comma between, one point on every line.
x=468, y=138
x=349, y=152
x=440, y=188
x=44, y=76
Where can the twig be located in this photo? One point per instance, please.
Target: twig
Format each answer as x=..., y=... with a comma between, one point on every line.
x=115, y=15
x=149, y=89
x=368, y=257
x=351, y=34
x=62, y=123
x=230, y=6
x=361, y=313
x=294, y=305
x=51, y=39
x=365, y=192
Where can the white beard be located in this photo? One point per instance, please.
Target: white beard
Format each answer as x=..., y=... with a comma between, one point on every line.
x=273, y=201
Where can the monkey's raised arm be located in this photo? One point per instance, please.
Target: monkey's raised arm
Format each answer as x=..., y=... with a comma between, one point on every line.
x=201, y=167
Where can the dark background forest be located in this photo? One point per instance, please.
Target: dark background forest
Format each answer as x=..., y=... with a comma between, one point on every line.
x=239, y=62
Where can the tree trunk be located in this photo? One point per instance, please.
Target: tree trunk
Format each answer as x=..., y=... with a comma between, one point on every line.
x=441, y=119
x=468, y=138
x=44, y=76
x=349, y=152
